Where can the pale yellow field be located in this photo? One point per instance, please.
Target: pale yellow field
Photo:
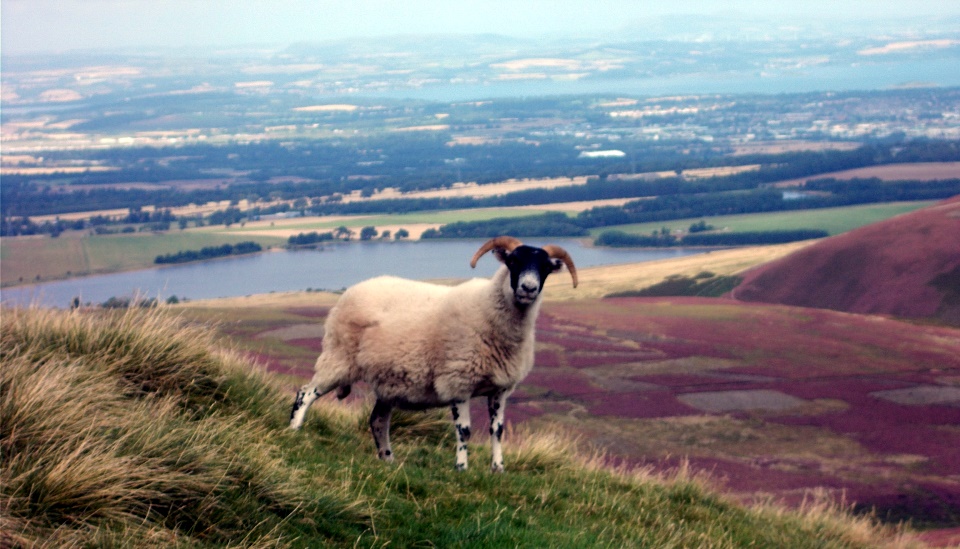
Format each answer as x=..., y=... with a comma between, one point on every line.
x=480, y=191
x=328, y=108
x=424, y=128
x=415, y=229
x=65, y=170
x=723, y=171
x=574, y=207
x=597, y=282
x=190, y=210
x=923, y=171
x=778, y=147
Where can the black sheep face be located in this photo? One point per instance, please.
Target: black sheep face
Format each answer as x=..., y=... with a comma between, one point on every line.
x=529, y=268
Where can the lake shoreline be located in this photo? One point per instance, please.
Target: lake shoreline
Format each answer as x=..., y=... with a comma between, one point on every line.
x=331, y=267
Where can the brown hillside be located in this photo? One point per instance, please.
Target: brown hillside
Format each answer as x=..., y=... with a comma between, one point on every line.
x=907, y=266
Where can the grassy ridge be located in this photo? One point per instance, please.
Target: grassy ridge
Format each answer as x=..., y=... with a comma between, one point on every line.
x=132, y=429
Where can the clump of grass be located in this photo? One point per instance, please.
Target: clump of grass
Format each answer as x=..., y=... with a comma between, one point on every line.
x=703, y=284
x=131, y=424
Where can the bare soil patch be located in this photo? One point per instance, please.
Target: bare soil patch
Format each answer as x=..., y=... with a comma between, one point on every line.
x=922, y=395
x=741, y=401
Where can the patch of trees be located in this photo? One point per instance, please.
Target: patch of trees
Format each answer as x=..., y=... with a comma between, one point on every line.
x=550, y=224
x=209, y=252
x=825, y=193
x=749, y=238
x=700, y=227
x=662, y=239
x=620, y=239
x=704, y=284
x=310, y=239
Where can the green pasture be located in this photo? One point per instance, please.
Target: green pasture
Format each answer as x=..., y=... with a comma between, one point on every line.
x=36, y=259
x=832, y=220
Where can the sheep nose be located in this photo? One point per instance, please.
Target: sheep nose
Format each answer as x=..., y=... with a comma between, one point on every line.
x=528, y=286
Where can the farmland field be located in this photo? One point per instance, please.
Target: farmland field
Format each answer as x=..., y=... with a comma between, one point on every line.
x=289, y=227
x=832, y=220
x=921, y=171
x=31, y=259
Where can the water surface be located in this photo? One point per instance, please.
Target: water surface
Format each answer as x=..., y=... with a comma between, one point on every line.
x=332, y=267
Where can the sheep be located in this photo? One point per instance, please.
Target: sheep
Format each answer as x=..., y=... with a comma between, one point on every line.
x=421, y=345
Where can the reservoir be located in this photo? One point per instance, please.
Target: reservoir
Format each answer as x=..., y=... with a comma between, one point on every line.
x=332, y=267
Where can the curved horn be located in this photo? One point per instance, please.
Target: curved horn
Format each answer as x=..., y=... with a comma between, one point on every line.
x=507, y=243
x=557, y=252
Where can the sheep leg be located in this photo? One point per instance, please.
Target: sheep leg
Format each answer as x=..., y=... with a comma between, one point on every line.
x=305, y=397
x=461, y=420
x=496, y=403
x=380, y=427
x=325, y=379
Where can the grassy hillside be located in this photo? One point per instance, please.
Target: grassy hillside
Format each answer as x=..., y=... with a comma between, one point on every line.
x=132, y=429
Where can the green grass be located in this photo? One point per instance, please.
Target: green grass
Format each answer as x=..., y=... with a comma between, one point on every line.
x=73, y=254
x=133, y=429
x=832, y=220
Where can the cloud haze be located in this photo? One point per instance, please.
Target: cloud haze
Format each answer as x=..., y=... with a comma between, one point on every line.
x=60, y=25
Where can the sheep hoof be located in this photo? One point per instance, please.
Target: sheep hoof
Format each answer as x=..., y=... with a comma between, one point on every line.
x=496, y=468
x=386, y=456
x=461, y=467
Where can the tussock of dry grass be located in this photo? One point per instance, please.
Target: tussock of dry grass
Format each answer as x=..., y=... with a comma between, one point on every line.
x=131, y=423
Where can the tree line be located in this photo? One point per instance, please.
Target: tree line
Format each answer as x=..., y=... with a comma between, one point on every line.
x=209, y=252
x=313, y=169
x=620, y=239
x=823, y=193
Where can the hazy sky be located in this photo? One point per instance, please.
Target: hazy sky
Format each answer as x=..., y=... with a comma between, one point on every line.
x=59, y=25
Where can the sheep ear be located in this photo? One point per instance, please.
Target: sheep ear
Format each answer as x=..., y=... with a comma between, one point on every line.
x=501, y=254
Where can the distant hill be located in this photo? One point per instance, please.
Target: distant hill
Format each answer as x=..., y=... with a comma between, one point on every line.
x=907, y=266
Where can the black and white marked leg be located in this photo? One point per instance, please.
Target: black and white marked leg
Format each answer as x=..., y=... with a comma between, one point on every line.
x=380, y=427
x=461, y=420
x=496, y=404
x=305, y=397
x=322, y=383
